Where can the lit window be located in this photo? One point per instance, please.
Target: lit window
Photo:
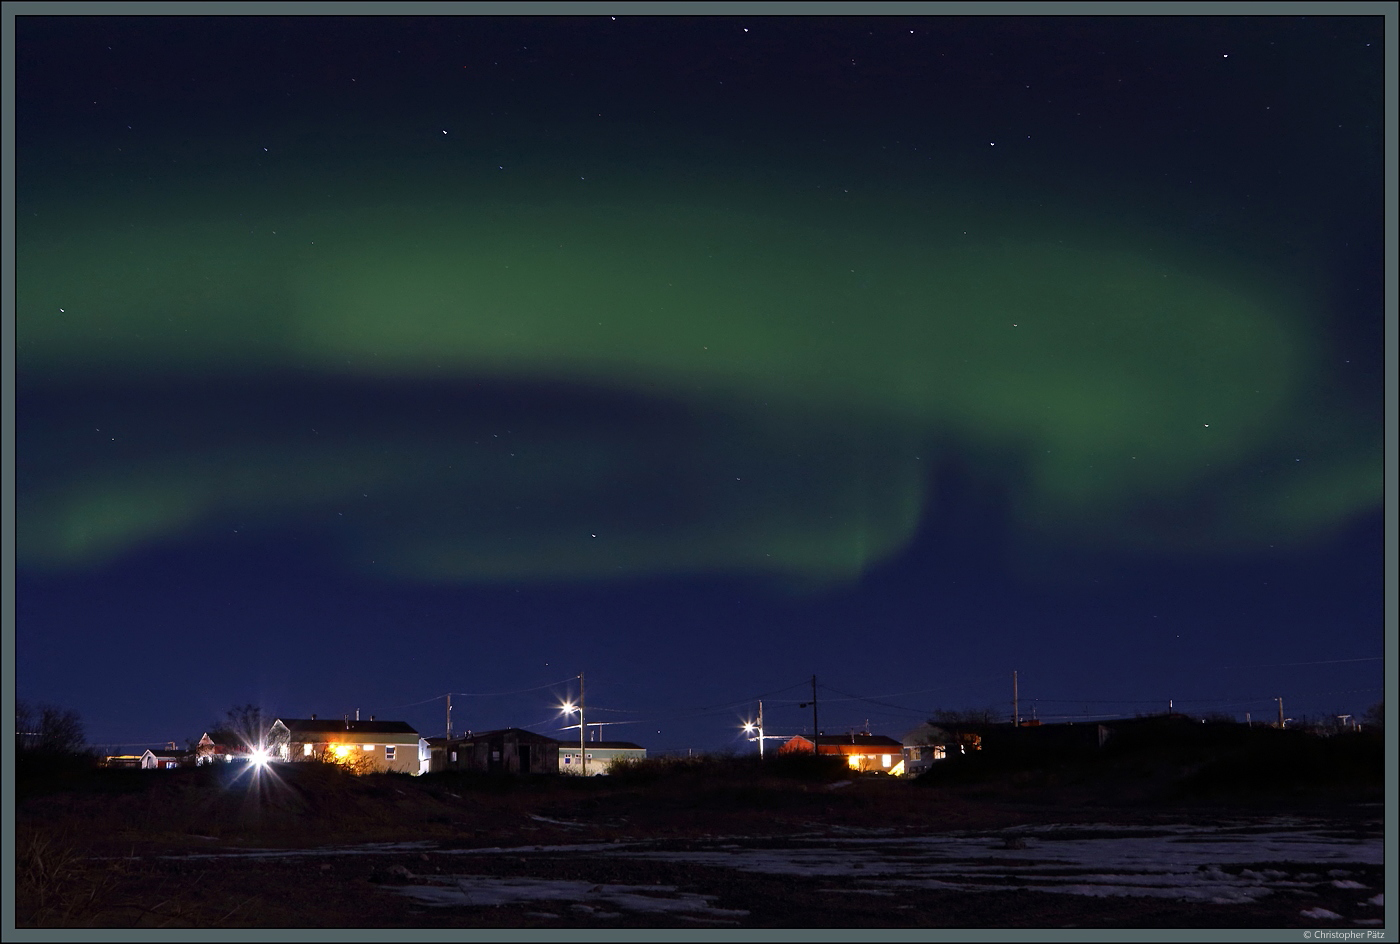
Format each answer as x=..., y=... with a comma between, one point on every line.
x=369, y=747
x=454, y=757
x=306, y=750
x=887, y=759
x=388, y=752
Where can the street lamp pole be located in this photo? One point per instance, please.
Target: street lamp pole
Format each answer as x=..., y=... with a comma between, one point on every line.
x=751, y=726
x=582, y=748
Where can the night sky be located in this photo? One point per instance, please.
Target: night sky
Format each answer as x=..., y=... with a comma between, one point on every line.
x=364, y=360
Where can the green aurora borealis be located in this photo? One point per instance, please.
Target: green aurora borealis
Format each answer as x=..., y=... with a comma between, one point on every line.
x=757, y=384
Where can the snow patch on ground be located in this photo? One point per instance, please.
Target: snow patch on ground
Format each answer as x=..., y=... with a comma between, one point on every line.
x=1207, y=863
x=584, y=897
x=1180, y=861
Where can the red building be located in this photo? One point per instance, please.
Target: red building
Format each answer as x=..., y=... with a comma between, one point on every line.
x=862, y=751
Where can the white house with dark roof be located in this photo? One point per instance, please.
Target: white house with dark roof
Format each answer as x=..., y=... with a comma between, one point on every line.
x=165, y=758
x=601, y=755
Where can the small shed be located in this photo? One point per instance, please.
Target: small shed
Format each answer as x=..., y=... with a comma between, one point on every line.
x=505, y=751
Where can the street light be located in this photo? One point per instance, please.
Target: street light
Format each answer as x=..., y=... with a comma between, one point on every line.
x=750, y=727
x=569, y=708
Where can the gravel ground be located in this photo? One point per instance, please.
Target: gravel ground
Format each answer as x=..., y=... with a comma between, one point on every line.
x=865, y=854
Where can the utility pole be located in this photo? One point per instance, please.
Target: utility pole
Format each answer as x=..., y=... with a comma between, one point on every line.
x=814, y=716
x=760, y=729
x=1015, y=702
x=1280, y=710
x=449, y=716
x=582, y=747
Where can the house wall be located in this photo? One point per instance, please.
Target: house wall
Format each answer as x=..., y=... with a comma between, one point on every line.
x=599, y=758
x=867, y=759
x=888, y=758
x=410, y=750
x=373, y=746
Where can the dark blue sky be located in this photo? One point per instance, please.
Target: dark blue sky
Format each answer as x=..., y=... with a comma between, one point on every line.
x=926, y=546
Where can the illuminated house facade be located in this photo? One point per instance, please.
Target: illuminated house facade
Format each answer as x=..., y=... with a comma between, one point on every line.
x=863, y=752
x=378, y=746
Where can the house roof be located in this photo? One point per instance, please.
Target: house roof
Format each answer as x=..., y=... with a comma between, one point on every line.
x=520, y=734
x=165, y=752
x=324, y=726
x=852, y=740
x=605, y=745
x=206, y=746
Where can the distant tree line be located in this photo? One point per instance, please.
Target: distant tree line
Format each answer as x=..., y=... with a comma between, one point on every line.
x=48, y=729
x=968, y=716
x=1372, y=720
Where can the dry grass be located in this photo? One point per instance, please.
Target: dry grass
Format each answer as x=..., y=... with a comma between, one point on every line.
x=47, y=867
x=89, y=849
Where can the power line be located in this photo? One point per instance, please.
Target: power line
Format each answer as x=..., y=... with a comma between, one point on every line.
x=1279, y=665
x=518, y=691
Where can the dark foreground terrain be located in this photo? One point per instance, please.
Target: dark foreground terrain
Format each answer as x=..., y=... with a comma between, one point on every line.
x=1141, y=841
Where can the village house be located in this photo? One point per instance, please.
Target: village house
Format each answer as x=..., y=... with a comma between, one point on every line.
x=600, y=755
x=508, y=750
x=206, y=751
x=379, y=745
x=930, y=742
x=165, y=758
x=863, y=752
